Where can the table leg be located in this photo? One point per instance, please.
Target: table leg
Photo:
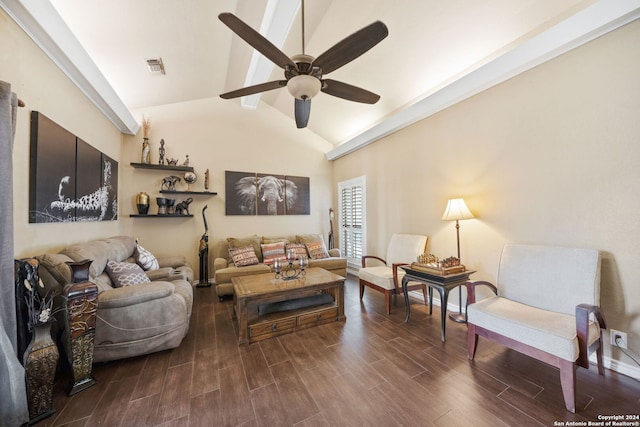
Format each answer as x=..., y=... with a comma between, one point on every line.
x=430, y=300
x=406, y=299
x=444, y=296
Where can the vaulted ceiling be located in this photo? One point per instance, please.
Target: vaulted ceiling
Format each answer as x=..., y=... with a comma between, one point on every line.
x=437, y=52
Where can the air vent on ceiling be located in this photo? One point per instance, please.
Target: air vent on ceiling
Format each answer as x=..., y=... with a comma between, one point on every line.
x=155, y=66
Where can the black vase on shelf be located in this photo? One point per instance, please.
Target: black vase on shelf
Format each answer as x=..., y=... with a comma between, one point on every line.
x=142, y=203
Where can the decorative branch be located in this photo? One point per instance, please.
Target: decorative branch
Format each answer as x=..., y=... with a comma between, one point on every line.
x=146, y=126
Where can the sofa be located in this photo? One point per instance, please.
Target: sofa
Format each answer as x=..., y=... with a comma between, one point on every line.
x=133, y=319
x=225, y=269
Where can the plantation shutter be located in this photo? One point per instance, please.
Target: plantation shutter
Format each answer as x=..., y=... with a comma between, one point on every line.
x=352, y=216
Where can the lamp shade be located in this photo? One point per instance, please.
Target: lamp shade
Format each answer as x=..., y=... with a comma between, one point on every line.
x=456, y=209
x=304, y=86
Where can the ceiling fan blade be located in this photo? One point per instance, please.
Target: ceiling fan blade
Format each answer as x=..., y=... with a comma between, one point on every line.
x=351, y=47
x=348, y=92
x=250, y=90
x=257, y=41
x=302, y=111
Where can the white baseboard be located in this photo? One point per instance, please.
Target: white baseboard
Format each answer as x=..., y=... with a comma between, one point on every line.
x=609, y=363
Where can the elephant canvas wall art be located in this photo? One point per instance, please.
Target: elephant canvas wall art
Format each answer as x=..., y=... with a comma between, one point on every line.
x=250, y=193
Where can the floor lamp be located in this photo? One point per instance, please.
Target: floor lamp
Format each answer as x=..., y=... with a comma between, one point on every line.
x=456, y=210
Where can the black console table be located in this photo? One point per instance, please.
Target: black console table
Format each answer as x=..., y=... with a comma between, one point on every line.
x=443, y=284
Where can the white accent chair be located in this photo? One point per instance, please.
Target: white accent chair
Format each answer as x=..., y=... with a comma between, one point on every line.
x=546, y=306
x=403, y=249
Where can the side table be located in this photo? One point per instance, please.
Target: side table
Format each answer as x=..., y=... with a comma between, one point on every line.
x=443, y=284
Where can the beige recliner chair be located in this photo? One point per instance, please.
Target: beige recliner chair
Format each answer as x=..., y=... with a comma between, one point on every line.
x=132, y=320
x=403, y=249
x=545, y=306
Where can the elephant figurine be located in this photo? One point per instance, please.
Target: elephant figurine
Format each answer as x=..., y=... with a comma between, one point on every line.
x=269, y=192
x=182, y=208
x=169, y=182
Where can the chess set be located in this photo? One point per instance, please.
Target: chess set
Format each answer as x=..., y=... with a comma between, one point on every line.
x=430, y=263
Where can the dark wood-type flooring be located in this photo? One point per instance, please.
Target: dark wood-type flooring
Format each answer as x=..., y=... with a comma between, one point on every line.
x=372, y=370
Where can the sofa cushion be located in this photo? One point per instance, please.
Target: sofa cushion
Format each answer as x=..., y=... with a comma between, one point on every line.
x=272, y=251
x=225, y=275
x=146, y=259
x=275, y=239
x=126, y=274
x=309, y=238
x=317, y=250
x=549, y=331
x=243, y=256
x=299, y=248
x=246, y=241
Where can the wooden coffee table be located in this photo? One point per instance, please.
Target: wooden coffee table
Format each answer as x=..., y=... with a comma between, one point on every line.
x=260, y=303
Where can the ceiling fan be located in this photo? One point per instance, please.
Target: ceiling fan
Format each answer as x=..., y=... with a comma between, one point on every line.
x=304, y=73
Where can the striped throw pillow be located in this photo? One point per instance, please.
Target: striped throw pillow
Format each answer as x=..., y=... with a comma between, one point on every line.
x=272, y=251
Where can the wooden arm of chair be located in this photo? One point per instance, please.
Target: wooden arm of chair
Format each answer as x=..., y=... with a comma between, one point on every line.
x=365, y=257
x=582, y=330
x=394, y=269
x=471, y=290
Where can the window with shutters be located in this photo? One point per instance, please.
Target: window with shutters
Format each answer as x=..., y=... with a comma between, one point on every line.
x=351, y=220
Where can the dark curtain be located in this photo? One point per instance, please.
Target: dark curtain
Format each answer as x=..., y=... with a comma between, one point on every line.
x=13, y=404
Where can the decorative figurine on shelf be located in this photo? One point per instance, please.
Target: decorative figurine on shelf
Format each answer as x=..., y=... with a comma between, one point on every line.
x=206, y=179
x=186, y=161
x=190, y=178
x=169, y=182
x=182, y=208
x=172, y=162
x=203, y=251
x=161, y=153
x=146, y=149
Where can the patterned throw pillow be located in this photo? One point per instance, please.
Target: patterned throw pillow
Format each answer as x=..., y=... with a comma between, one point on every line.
x=300, y=249
x=126, y=274
x=146, y=259
x=243, y=256
x=272, y=251
x=317, y=250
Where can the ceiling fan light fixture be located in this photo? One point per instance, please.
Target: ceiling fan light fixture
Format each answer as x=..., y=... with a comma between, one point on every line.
x=304, y=86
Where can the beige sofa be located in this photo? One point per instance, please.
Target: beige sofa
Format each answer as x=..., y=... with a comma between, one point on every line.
x=225, y=269
x=131, y=320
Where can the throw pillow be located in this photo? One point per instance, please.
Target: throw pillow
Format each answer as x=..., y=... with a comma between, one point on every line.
x=243, y=256
x=126, y=274
x=246, y=241
x=300, y=249
x=309, y=238
x=272, y=251
x=317, y=250
x=146, y=259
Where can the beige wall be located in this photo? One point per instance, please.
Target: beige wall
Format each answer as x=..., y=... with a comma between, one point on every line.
x=549, y=157
x=219, y=135
x=43, y=87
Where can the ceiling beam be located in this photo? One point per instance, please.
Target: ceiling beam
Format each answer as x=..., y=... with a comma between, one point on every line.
x=589, y=24
x=276, y=24
x=41, y=21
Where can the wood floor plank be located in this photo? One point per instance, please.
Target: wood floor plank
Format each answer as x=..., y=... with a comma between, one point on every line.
x=255, y=366
x=300, y=404
x=317, y=420
x=297, y=353
x=206, y=325
x=151, y=377
x=270, y=409
x=174, y=399
x=205, y=410
x=141, y=412
x=273, y=351
x=109, y=410
x=235, y=400
x=205, y=375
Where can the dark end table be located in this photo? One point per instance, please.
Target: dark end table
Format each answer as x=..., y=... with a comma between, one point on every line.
x=443, y=284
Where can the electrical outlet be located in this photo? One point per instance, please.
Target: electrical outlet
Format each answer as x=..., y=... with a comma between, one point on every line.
x=622, y=341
